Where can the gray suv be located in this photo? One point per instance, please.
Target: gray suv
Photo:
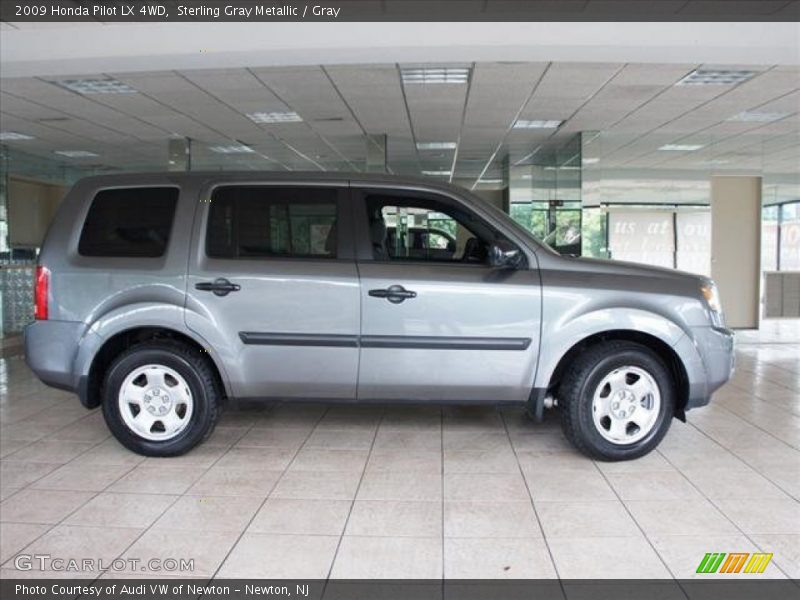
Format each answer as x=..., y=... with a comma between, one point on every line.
x=159, y=296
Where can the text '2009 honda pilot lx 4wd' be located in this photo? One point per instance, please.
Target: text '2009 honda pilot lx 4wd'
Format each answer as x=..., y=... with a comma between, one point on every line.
x=158, y=296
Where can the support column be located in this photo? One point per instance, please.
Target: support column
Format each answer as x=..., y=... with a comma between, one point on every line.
x=376, y=153
x=736, y=247
x=179, y=152
x=506, y=185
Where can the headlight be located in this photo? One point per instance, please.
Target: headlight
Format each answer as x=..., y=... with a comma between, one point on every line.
x=711, y=295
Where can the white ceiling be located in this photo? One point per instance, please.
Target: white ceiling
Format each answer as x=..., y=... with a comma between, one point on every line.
x=637, y=107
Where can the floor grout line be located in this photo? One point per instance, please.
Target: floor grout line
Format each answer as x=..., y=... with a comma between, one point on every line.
x=639, y=527
x=533, y=504
x=718, y=509
x=264, y=501
x=352, y=503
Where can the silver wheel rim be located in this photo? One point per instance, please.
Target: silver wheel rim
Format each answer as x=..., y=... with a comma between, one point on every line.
x=625, y=405
x=155, y=402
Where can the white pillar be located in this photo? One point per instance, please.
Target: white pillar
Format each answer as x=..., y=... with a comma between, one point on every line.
x=736, y=247
x=376, y=153
x=179, y=154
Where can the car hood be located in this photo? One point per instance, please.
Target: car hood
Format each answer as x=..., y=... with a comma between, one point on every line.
x=618, y=267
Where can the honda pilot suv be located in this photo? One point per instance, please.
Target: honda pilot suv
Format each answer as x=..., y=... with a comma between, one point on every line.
x=161, y=296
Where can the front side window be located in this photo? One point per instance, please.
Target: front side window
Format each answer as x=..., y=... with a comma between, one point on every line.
x=272, y=222
x=129, y=222
x=419, y=229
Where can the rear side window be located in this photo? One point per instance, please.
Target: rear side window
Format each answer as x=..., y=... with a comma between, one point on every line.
x=264, y=222
x=129, y=222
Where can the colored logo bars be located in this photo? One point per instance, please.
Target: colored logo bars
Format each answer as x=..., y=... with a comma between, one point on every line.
x=736, y=562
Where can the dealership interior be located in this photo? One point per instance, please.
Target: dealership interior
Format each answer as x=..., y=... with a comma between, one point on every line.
x=670, y=144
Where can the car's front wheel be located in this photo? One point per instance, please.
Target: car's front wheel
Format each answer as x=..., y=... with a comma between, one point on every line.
x=617, y=401
x=161, y=398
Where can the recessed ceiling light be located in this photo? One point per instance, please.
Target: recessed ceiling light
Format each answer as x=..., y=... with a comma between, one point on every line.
x=76, y=153
x=435, y=75
x=716, y=77
x=8, y=136
x=436, y=145
x=541, y=124
x=232, y=149
x=758, y=117
x=438, y=173
x=490, y=181
x=97, y=86
x=590, y=161
x=274, y=117
x=681, y=147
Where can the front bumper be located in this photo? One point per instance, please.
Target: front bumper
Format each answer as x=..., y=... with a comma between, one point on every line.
x=715, y=352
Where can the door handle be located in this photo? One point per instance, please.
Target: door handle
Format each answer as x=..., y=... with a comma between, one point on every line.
x=394, y=294
x=220, y=286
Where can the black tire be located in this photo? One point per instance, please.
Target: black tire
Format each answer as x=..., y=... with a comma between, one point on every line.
x=202, y=382
x=577, y=389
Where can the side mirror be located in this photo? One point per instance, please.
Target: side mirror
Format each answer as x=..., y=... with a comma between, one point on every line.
x=504, y=255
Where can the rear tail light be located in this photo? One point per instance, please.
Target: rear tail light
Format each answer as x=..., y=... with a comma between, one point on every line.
x=40, y=293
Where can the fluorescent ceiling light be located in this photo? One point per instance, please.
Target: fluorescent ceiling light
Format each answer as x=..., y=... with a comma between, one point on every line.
x=232, y=149
x=758, y=117
x=275, y=117
x=540, y=124
x=681, y=147
x=716, y=77
x=490, y=181
x=436, y=145
x=438, y=173
x=76, y=153
x=435, y=75
x=8, y=136
x=590, y=161
x=96, y=86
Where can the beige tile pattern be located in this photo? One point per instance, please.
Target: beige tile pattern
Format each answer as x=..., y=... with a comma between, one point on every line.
x=288, y=490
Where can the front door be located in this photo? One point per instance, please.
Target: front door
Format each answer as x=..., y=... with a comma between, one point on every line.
x=273, y=287
x=437, y=322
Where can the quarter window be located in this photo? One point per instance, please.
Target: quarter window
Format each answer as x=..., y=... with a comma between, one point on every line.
x=266, y=222
x=130, y=222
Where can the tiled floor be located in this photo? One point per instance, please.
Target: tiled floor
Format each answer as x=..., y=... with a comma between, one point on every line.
x=310, y=491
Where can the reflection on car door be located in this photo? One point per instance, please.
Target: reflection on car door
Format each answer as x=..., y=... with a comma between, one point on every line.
x=273, y=286
x=440, y=330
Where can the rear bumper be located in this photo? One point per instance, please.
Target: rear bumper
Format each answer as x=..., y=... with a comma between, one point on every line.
x=715, y=349
x=50, y=349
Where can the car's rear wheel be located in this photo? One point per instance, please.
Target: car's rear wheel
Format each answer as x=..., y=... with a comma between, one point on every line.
x=617, y=401
x=161, y=398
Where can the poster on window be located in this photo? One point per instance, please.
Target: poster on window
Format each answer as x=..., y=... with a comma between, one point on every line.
x=642, y=236
x=694, y=242
x=790, y=246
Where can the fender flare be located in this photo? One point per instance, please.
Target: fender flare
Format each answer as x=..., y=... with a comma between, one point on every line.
x=143, y=315
x=571, y=334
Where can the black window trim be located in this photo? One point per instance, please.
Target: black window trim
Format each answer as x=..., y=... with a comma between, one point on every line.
x=364, y=252
x=125, y=260
x=345, y=251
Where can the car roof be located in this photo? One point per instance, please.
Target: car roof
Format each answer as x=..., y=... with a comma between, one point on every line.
x=199, y=177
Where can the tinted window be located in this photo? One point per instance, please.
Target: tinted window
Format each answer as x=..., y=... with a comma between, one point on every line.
x=263, y=222
x=129, y=222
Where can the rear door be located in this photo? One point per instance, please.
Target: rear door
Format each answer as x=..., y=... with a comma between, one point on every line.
x=273, y=287
x=439, y=323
